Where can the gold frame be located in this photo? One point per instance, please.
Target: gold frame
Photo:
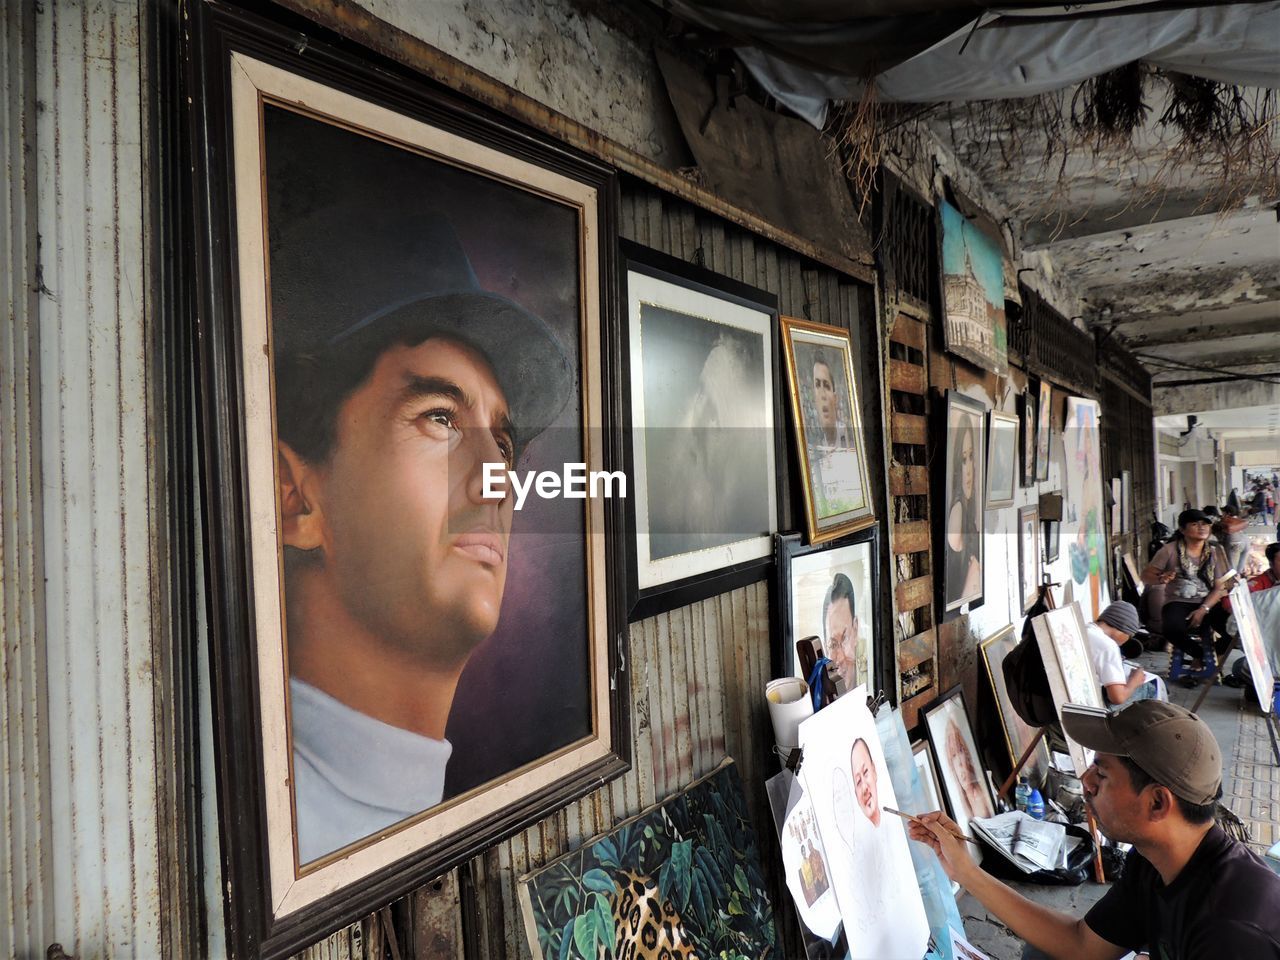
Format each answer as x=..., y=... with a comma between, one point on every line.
x=864, y=516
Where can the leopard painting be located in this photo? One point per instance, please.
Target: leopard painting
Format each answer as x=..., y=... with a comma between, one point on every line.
x=648, y=927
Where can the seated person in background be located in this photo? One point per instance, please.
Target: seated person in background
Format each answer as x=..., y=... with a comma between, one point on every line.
x=1188, y=891
x=1271, y=576
x=1193, y=573
x=1114, y=627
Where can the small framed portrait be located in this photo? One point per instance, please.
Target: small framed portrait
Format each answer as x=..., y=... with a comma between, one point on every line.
x=1002, y=459
x=408, y=665
x=964, y=780
x=830, y=592
x=1029, y=555
x=1044, y=429
x=963, y=505
x=1018, y=734
x=824, y=405
x=1052, y=539
x=1027, y=437
x=1065, y=651
x=702, y=411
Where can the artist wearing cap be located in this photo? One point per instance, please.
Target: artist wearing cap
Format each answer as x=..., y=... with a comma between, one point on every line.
x=396, y=378
x=1188, y=891
x=1108, y=638
x=1193, y=572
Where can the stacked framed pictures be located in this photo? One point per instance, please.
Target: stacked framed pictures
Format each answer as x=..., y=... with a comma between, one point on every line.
x=702, y=415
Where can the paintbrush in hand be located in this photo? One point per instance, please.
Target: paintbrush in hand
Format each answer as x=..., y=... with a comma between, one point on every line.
x=909, y=816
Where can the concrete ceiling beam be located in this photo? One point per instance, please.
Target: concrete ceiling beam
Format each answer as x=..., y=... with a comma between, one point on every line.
x=1205, y=398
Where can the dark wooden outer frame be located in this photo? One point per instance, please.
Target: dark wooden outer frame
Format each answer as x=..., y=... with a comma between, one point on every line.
x=956, y=692
x=788, y=546
x=215, y=31
x=941, y=478
x=650, y=601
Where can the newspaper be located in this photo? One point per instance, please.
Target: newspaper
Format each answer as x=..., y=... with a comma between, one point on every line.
x=1027, y=843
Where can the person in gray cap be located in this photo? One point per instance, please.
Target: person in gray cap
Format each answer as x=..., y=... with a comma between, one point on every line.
x=1187, y=892
x=1114, y=630
x=397, y=377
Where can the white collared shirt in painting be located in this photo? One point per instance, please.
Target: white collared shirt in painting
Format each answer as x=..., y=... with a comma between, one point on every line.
x=354, y=775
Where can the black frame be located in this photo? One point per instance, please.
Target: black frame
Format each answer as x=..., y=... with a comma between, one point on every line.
x=941, y=480
x=650, y=601
x=788, y=546
x=216, y=30
x=954, y=693
x=1023, y=593
x=1027, y=418
x=1052, y=535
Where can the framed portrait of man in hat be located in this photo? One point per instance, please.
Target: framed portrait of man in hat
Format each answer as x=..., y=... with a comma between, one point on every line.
x=412, y=661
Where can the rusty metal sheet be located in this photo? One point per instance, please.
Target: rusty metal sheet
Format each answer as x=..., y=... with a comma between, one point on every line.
x=776, y=166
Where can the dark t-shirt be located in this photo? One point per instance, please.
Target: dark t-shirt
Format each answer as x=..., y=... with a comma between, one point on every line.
x=1224, y=903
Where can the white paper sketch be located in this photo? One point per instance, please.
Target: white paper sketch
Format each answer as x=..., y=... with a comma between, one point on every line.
x=1060, y=634
x=872, y=874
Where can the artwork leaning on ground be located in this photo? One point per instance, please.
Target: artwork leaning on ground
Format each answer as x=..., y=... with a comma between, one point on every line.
x=1254, y=643
x=681, y=880
x=1065, y=651
x=973, y=293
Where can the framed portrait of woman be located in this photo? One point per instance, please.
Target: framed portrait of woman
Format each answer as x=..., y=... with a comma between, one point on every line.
x=962, y=509
x=964, y=782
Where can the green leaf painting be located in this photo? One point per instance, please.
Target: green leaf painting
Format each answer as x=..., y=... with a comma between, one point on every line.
x=686, y=872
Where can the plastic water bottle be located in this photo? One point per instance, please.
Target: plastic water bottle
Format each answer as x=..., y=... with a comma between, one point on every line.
x=1022, y=795
x=1035, y=804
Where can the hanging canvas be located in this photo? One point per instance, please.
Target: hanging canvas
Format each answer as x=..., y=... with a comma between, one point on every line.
x=1083, y=501
x=962, y=511
x=1065, y=651
x=1002, y=459
x=1029, y=556
x=1027, y=437
x=845, y=773
x=395, y=297
x=684, y=877
x=1044, y=429
x=1018, y=734
x=830, y=592
x=973, y=293
x=1257, y=650
x=964, y=781
x=829, y=434
x=702, y=409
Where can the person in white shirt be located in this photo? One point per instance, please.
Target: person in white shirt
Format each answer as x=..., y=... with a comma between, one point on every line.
x=1114, y=627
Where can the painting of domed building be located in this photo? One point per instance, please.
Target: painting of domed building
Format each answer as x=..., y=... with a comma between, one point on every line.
x=973, y=293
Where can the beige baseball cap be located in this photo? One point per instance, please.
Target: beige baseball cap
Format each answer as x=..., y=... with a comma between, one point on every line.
x=1169, y=742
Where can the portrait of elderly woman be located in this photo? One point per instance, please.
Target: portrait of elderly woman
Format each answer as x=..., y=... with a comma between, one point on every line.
x=963, y=780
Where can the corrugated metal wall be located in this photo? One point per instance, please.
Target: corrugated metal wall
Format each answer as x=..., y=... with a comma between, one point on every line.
x=90, y=865
x=25, y=917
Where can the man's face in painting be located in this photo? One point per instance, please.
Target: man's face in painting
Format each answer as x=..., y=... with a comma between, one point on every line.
x=863, y=769
x=824, y=396
x=416, y=555
x=842, y=640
